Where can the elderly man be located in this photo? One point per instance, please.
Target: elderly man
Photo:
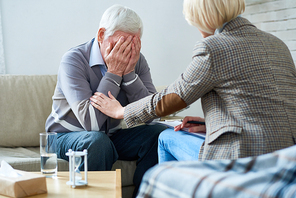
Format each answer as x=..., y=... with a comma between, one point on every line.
x=110, y=62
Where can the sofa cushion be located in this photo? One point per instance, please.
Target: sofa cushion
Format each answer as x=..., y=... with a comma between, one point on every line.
x=27, y=159
x=19, y=114
x=127, y=171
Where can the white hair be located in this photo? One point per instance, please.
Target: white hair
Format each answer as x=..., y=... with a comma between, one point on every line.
x=120, y=18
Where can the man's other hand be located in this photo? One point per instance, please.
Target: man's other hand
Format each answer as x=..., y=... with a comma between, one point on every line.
x=118, y=58
x=135, y=55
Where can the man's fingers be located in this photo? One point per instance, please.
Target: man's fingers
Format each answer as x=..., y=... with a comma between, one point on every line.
x=108, y=50
x=135, y=53
x=118, y=44
x=137, y=42
x=126, y=47
x=122, y=47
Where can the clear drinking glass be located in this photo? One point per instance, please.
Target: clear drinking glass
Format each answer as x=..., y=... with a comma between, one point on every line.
x=48, y=153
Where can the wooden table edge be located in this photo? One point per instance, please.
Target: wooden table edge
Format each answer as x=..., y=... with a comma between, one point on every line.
x=118, y=183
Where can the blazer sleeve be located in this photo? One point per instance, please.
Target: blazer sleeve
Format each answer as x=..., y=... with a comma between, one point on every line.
x=198, y=79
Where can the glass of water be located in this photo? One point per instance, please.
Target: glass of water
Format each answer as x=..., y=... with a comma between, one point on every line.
x=48, y=153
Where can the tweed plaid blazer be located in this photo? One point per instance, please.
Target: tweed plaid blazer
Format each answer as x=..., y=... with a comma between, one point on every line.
x=246, y=80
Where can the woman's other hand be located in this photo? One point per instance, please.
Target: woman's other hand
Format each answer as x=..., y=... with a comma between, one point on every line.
x=193, y=128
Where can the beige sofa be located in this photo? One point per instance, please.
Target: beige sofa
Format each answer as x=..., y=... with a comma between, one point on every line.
x=25, y=103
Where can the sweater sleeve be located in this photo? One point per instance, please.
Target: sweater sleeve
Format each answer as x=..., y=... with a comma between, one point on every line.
x=75, y=87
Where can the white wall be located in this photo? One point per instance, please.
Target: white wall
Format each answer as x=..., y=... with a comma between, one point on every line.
x=2, y=61
x=36, y=33
x=277, y=17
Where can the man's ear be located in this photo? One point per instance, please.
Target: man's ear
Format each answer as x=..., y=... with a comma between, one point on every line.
x=101, y=35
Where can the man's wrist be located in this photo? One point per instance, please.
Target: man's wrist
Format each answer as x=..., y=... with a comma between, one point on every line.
x=129, y=77
x=115, y=73
x=131, y=81
x=128, y=72
x=115, y=78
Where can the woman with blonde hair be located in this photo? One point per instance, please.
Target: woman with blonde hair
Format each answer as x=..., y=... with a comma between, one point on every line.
x=245, y=78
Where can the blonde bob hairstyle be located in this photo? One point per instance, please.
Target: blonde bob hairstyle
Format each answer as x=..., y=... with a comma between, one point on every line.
x=208, y=15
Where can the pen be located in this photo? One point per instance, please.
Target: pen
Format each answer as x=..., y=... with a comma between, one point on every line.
x=196, y=122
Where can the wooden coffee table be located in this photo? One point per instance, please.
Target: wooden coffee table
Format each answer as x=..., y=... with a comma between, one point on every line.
x=102, y=184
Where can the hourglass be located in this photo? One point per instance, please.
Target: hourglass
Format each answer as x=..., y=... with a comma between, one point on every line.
x=77, y=162
x=74, y=163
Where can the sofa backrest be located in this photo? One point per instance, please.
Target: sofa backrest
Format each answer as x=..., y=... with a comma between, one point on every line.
x=25, y=103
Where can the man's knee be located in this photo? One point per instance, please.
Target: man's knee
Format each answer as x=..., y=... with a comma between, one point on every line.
x=101, y=151
x=95, y=140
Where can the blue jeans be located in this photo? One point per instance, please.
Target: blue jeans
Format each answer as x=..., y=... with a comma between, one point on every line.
x=138, y=143
x=178, y=146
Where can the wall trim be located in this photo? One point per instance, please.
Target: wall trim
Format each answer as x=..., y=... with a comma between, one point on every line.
x=2, y=59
